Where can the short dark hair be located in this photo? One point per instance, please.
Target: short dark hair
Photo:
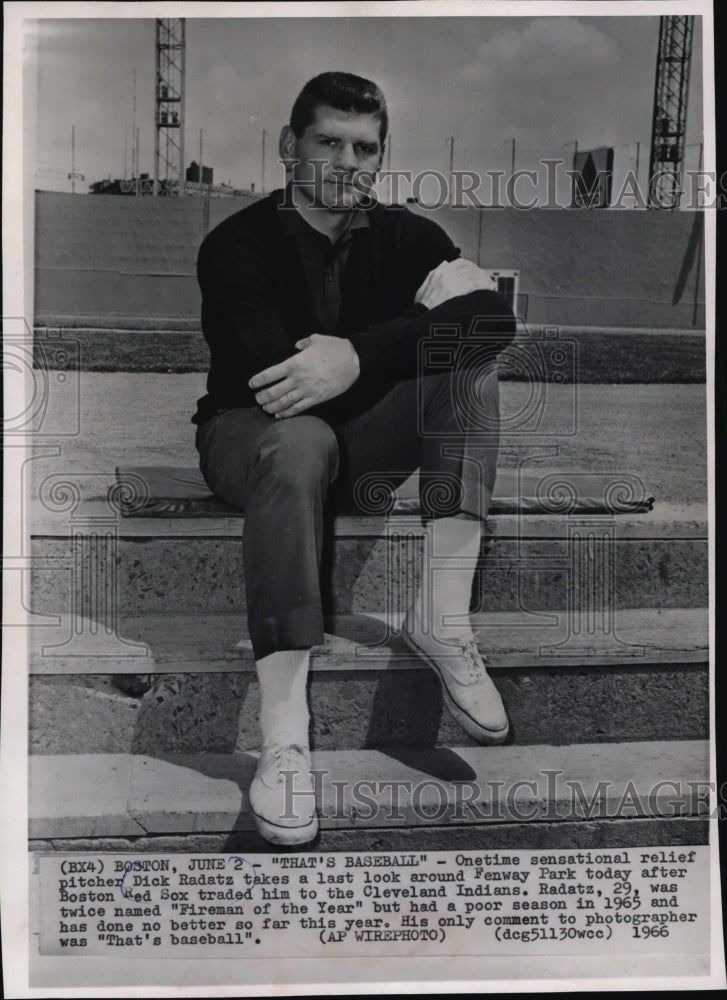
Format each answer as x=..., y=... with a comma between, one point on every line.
x=342, y=91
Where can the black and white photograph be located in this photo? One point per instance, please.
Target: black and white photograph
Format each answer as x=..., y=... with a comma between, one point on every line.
x=359, y=498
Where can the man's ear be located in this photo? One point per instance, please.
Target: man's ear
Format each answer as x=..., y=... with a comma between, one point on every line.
x=287, y=143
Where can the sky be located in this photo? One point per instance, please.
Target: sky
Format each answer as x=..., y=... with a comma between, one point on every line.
x=543, y=82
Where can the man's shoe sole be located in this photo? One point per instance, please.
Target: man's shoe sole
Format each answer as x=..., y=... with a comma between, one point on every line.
x=488, y=737
x=285, y=836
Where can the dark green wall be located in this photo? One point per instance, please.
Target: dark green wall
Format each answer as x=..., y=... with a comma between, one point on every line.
x=112, y=256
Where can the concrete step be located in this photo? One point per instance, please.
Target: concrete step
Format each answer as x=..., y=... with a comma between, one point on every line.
x=529, y=562
x=190, y=685
x=656, y=432
x=460, y=797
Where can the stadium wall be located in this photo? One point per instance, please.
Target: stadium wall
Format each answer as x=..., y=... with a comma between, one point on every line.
x=110, y=256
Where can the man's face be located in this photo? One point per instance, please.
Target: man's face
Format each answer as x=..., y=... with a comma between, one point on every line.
x=339, y=154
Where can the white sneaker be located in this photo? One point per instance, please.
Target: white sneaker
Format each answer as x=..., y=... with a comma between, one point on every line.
x=468, y=690
x=282, y=795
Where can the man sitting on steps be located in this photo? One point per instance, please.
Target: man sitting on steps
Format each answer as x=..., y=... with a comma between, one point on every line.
x=317, y=304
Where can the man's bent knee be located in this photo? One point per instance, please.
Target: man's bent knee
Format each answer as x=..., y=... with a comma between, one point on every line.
x=296, y=448
x=462, y=400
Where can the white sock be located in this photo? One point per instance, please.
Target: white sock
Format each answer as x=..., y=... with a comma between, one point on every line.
x=454, y=542
x=284, y=715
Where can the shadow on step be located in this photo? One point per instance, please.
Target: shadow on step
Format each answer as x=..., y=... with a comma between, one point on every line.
x=404, y=712
x=440, y=763
x=238, y=768
x=191, y=713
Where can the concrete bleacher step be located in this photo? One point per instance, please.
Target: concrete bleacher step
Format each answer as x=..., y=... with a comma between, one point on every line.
x=657, y=559
x=172, y=643
x=564, y=677
x=625, y=699
x=457, y=797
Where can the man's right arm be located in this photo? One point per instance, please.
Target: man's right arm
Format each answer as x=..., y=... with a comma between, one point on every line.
x=239, y=318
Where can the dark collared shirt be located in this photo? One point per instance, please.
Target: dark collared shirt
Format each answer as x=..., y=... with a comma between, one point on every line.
x=256, y=304
x=324, y=262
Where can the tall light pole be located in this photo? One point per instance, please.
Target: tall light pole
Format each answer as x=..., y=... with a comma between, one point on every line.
x=512, y=157
x=134, y=154
x=574, y=144
x=451, y=168
x=169, y=103
x=263, y=159
x=701, y=152
x=669, y=120
x=636, y=143
x=74, y=176
x=638, y=154
x=511, y=186
x=699, y=167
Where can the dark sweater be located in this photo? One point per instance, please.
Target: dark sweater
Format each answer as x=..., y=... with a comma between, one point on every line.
x=256, y=304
